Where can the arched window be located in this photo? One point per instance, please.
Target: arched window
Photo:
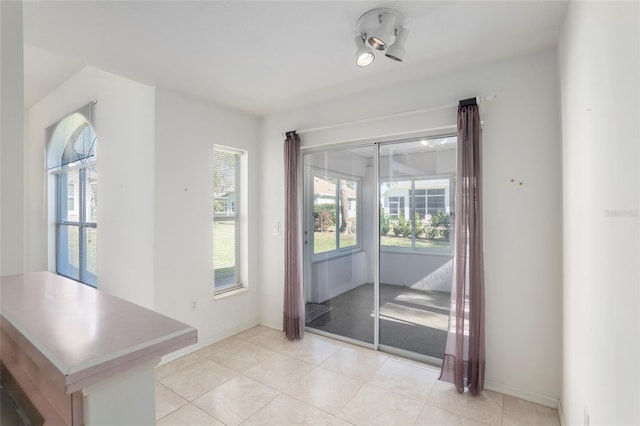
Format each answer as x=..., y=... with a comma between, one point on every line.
x=71, y=157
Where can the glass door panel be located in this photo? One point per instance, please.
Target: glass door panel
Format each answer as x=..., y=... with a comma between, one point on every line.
x=416, y=185
x=339, y=257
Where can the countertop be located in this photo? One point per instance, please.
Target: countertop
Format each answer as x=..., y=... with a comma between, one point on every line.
x=83, y=333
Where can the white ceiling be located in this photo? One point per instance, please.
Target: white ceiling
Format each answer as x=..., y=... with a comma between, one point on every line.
x=265, y=56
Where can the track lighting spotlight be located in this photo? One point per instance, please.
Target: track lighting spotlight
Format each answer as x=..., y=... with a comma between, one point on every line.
x=364, y=55
x=396, y=50
x=379, y=28
x=378, y=39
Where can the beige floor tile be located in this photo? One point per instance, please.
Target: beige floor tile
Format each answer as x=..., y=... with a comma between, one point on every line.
x=188, y=415
x=312, y=348
x=271, y=339
x=337, y=421
x=252, y=332
x=219, y=345
x=167, y=401
x=518, y=412
x=236, y=400
x=285, y=410
x=357, y=363
x=375, y=406
x=486, y=407
x=238, y=355
x=412, y=381
x=325, y=389
x=434, y=416
x=197, y=379
x=320, y=377
x=177, y=364
x=279, y=371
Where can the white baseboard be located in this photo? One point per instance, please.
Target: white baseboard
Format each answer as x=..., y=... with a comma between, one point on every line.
x=207, y=340
x=536, y=398
x=563, y=422
x=270, y=325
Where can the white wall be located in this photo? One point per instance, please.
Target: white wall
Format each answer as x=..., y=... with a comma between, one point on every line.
x=12, y=177
x=408, y=269
x=124, y=124
x=186, y=130
x=522, y=223
x=339, y=275
x=599, y=67
x=155, y=156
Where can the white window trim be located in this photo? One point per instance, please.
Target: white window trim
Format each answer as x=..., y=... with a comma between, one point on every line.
x=347, y=251
x=240, y=217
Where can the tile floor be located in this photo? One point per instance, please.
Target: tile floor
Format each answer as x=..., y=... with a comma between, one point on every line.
x=258, y=377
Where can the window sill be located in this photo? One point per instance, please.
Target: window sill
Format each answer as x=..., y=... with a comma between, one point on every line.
x=385, y=249
x=322, y=257
x=230, y=293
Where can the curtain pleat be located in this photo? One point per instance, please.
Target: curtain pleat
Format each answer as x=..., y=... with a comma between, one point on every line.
x=293, y=318
x=464, y=358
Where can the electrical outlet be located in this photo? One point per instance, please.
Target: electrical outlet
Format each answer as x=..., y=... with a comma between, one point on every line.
x=193, y=305
x=276, y=227
x=586, y=416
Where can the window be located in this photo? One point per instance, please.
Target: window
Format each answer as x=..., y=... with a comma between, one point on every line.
x=76, y=200
x=336, y=206
x=427, y=224
x=226, y=219
x=436, y=201
x=396, y=207
x=71, y=198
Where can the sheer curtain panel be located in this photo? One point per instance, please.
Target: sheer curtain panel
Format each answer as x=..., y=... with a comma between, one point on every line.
x=293, y=321
x=464, y=358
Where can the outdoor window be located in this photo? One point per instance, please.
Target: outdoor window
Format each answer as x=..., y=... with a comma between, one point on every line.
x=71, y=198
x=226, y=219
x=396, y=207
x=418, y=201
x=336, y=206
x=427, y=224
x=436, y=201
x=76, y=199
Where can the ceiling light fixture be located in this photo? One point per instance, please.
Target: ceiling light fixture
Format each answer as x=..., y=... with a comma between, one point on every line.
x=379, y=27
x=364, y=55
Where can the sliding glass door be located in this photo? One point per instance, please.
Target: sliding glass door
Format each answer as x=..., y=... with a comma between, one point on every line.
x=339, y=290
x=416, y=189
x=378, y=243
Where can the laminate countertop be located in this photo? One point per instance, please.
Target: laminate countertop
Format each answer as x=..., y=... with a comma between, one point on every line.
x=83, y=335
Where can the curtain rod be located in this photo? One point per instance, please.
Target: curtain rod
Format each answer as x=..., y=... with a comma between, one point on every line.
x=479, y=100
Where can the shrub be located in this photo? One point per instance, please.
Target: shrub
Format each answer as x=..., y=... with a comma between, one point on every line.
x=324, y=216
x=406, y=227
x=419, y=225
x=385, y=226
x=401, y=227
x=438, y=227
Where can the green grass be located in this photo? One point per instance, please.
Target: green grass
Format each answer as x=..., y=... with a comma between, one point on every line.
x=224, y=244
x=326, y=241
x=392, y=241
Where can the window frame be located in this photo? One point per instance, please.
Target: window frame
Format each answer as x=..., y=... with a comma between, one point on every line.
x=412, y=212
x=83, y=224
x=71, y=198
x=337, y=252
x=235, y=216
x=438, y=196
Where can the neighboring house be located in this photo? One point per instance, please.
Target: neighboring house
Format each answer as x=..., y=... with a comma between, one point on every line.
x=324, y=192
x=225, y=202
x=430, y=196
